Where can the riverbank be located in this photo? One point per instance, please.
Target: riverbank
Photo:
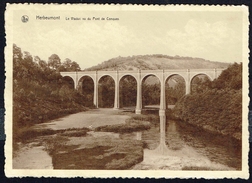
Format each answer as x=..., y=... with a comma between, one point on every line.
x=62, y=139
x=68, y=149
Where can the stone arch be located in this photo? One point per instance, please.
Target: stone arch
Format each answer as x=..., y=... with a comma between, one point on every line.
x=173, y=96
x=105, y=75
x=86, y=85
x=153, y=97
x=85, y=75
x=127, y=74
x=195, y=76
x=69, y=81
x=146, y=75
x=129, y=91
x=174, y=74
x=106, y=91
x=200, y=73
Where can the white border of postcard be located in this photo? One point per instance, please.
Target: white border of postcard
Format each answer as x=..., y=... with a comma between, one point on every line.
x=10, y=172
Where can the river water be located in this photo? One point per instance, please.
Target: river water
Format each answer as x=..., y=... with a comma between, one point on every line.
x=188, y=147
x=207, y=151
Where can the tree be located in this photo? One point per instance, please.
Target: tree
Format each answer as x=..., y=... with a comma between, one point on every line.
x=36, y=59
x=54, y=61
x=69, y=65
x=28, y=57
x=75, y=66
x=17, y=53
x=42, y=64
x=128, y=91
x=229, y=78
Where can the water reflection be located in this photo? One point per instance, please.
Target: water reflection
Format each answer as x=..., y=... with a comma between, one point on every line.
x=217, y=148
x=131, y=136
x=173, y=139
x=181, y=135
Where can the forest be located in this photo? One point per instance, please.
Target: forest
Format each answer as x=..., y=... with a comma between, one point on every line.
x=39, y=91
x=216, y=106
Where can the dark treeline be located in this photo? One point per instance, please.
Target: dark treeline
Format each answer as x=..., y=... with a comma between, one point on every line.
x=215, y=106
x=39, y=91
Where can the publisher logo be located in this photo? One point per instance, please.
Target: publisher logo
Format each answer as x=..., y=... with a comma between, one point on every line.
x=24, y=18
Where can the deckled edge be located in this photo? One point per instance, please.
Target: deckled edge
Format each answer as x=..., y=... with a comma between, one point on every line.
x=115, y=173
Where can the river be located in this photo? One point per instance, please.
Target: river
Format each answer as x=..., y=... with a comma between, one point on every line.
x=188, y=147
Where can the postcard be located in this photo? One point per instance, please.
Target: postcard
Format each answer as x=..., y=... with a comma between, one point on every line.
x=130, y=91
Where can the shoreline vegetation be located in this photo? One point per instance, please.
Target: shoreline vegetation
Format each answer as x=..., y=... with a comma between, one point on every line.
x=217, y=106
x=41, y=94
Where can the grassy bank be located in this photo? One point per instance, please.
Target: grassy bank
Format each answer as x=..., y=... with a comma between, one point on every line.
x=21, y=132
x=29, y=133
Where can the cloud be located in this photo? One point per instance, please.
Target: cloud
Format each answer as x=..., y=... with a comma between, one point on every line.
x=90, y=43
x=202, y=39
x=87, y=43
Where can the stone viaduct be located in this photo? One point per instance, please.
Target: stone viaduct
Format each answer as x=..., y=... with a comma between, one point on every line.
x=139, y=75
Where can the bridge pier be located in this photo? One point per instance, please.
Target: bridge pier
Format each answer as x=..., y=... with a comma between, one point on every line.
x=95, y=96
x=187, y=82
x=138, y=111
x=116, y=100
x=162, y=148
x=95, y=91
x=139, y=94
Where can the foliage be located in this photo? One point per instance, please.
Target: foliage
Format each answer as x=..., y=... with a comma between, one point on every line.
x=218, y=106
x=106, y=89
x=151, y=94
x=54, y=61
x=29, y=133
x=230, y=78
x=128, y=91
x=69, y=65
x=39, y=91
x=199, y=84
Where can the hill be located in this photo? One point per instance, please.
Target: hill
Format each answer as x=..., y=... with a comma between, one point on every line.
x=152, y=62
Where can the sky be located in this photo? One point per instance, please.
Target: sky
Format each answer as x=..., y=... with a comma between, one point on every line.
x=212, y=35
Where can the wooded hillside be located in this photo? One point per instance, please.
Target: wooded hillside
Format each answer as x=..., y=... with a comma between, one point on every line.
x=157, y=61
x=218, y=107
x=39, y=91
